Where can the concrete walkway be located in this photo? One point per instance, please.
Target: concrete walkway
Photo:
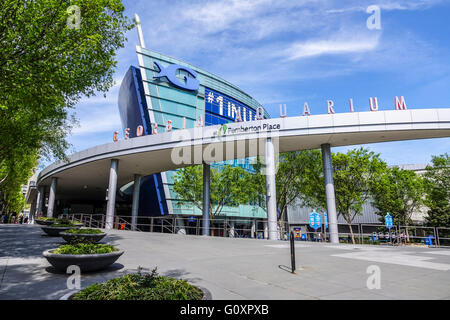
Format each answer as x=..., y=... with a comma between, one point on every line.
x=234, y=268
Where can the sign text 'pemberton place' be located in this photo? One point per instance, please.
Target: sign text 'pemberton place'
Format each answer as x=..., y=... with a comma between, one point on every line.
x=400, y=104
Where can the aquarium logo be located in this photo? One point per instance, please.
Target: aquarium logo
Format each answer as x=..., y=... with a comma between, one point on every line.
x=170, y=73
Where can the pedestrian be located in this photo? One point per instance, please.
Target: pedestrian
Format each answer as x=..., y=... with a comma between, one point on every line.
x=5, y=218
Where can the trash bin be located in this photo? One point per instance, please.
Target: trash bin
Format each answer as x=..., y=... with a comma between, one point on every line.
x=429, y=240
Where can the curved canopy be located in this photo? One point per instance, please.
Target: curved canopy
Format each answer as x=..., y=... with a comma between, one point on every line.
x=86, y=173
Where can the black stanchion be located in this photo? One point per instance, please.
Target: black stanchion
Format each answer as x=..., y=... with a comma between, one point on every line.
x=291, y=238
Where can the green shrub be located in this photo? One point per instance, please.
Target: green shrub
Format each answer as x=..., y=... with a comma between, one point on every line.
x=84, y=231
x=139, y=286
x=67, y=221
x=84, y=248
x=61, y=225
x=46, y=219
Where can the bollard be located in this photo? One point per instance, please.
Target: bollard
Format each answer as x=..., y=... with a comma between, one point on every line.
x=291, y=238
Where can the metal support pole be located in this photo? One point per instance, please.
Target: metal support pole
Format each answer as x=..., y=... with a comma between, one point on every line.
x=51, y=197
x=329, y=193
x=206, y=198
x=435, y=238
x=291, y=240
x=135, y=205
x=271, y=193
x=112, y=188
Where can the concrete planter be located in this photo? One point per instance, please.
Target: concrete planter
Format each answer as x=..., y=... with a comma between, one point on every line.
x=82, y=237
x=86, y=262
x=55, y=231
x=44, y=222
x=206, y=294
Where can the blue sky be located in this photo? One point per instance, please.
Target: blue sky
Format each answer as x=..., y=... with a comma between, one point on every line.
x=296, y=51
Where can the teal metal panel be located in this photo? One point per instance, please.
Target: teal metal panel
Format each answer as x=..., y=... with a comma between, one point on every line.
x=171, y=103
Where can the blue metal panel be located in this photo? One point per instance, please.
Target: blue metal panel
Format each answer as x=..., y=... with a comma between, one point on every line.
x=224, y=106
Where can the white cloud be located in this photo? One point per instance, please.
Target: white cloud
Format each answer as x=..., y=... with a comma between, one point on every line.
x=102, y=120
x=387, y=5
x=314, y=48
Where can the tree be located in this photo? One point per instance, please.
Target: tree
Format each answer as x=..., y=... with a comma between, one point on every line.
x=229, y=186
x=293, y=178
x=437, y=185
x=354, y=174
x=11, y=197
x=46, y=66
x=399, y=192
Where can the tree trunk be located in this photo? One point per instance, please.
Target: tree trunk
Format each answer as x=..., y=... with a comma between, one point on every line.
x=407, y=232
x=351, y=232
x=349, y=222
x=281, y=222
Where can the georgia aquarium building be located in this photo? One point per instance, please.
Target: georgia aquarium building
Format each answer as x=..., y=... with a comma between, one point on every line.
x=164, y=91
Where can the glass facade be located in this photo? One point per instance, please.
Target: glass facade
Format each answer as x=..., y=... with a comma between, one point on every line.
x=144, y=99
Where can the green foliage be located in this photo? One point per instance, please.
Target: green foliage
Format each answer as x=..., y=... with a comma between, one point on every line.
x=84, y=248
x=15, y=172
x=229, y=186
x=47, y=219
x=66, y=221
x=437, y=185
x=355, y=172
x=294, y=176
x=61, y=225
x=84, y=231
x=45, y=69
x=399, y=192
x=141, y=287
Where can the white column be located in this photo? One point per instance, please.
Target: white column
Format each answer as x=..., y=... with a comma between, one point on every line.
x=266, y=230
x=40, y=200
x=32, y=211
x=180, y=225
x=206, y=198
x=329, y=193
x=111, y=204
x=51, y=197
x=231, y=232
x=271, y=202
x=253, y=229
x=135, y=205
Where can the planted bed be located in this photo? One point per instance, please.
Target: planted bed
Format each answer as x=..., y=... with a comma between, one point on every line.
x=88, y=256
x=76, y=235
x=137, y=286
x=55, y=229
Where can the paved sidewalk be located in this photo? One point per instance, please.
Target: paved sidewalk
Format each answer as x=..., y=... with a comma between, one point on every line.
x=233, y=268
